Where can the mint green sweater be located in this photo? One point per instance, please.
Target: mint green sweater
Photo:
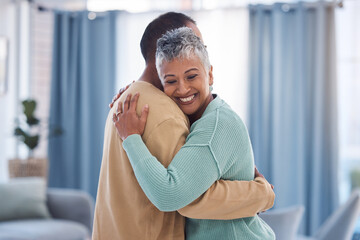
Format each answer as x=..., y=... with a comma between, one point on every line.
x=218, y=147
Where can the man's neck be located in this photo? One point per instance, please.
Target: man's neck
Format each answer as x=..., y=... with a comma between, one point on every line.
x=150, y=75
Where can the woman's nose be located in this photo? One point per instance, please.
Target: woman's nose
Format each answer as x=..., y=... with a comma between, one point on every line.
x=183, y=88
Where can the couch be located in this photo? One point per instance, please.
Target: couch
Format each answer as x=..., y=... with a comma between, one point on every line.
x=339, y=226
x=57, y=214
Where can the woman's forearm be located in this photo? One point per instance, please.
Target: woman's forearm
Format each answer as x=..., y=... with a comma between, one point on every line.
x=192, y=171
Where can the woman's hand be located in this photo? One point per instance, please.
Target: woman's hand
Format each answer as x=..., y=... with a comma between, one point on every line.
x=116, y=97
x=126, y=121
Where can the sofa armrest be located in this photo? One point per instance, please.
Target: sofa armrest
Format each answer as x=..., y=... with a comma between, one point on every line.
x=71, y=204
x=284, y=222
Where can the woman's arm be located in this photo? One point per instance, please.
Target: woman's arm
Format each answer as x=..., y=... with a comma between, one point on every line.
x=243, y=198
x=164, y=142
x=236, y=192
x=192, y=171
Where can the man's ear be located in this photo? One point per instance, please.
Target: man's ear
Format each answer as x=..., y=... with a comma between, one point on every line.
x=211, y=78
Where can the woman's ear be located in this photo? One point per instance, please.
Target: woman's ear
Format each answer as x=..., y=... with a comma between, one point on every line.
x=211, y=78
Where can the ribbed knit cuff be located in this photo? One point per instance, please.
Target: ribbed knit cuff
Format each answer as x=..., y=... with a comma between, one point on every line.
x=135, y=149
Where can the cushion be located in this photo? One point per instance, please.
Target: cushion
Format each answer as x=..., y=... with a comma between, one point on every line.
x=284, y=222
x=42, y=229
x=341, y=223
x=23, y=198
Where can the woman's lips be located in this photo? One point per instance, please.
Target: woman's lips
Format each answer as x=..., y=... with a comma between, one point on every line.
x=187, y=99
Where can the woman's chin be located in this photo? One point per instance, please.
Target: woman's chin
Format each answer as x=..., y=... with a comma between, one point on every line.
x=186, y=111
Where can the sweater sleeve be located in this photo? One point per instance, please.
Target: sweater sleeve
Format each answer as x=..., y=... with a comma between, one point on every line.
x=192, y=171
x=232, y=199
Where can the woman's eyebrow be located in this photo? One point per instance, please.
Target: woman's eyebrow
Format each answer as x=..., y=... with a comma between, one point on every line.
x=190, y=70
x=169, y=75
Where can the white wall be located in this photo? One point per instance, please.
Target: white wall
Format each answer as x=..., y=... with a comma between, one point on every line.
x=225, y=33
x=217, y=26
x=7, y=101
x=15, y=26
x=348, y=72
x=29, y=33
x=41, y=60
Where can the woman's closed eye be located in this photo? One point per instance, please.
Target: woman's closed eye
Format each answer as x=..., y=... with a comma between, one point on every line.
x=192, y=76
x=170, y=81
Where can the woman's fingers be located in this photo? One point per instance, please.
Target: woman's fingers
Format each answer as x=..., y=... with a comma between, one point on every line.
x=118, y=111
x=126, y=120
x=133, y=102
x=127, y=102
x=119, y=108
x=121, y=91
x=114, y=118
x=116, y=97
x=113, y=100
x=144, y=114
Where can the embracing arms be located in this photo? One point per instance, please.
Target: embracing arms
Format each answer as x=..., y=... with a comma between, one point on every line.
x=232, y=199
x=223, y=200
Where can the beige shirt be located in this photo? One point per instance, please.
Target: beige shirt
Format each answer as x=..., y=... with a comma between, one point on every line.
x=122, y=209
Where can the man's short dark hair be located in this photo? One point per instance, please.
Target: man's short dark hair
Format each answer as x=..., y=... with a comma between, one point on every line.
x=157, y=28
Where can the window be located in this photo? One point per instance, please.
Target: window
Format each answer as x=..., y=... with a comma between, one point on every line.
x=41, y=55
x=348, y=49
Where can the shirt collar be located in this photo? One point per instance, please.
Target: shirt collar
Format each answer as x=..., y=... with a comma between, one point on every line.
x=213, y=105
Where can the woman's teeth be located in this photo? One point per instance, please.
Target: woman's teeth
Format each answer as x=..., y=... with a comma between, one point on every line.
x=188, y=99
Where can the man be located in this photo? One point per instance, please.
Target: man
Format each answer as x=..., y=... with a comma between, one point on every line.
x=122, y=209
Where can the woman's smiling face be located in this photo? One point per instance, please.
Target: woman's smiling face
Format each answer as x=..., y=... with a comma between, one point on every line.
x=186, y=82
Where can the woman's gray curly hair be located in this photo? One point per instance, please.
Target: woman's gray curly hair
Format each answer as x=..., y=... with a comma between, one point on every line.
x=180, y=43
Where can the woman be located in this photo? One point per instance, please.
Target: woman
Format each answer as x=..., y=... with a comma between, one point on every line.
x=218, y=146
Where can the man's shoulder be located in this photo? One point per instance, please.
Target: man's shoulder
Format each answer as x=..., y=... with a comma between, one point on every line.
x=145, y=88
x=161, y=107
x=147, y=92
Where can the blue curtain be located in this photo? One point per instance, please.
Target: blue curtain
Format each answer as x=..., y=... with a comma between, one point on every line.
x=293, y=106
x=83, y=84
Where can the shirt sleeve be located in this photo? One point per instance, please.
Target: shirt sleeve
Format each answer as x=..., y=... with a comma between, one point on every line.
x=165, y=140
x=224, y=199
x=232, y=199
x=192, y=171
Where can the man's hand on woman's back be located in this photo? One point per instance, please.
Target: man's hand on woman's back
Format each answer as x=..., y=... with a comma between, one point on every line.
x=258, y=174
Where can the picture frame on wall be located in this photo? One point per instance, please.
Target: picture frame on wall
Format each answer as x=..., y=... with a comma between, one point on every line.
x=4, y=55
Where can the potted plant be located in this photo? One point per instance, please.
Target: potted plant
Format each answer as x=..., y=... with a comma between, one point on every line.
x=28, y=131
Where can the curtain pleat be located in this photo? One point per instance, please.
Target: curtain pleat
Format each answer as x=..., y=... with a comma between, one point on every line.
x=83, y=83
x=292, y=105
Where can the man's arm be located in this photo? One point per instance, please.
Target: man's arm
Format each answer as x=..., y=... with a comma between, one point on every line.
x=232, y=199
